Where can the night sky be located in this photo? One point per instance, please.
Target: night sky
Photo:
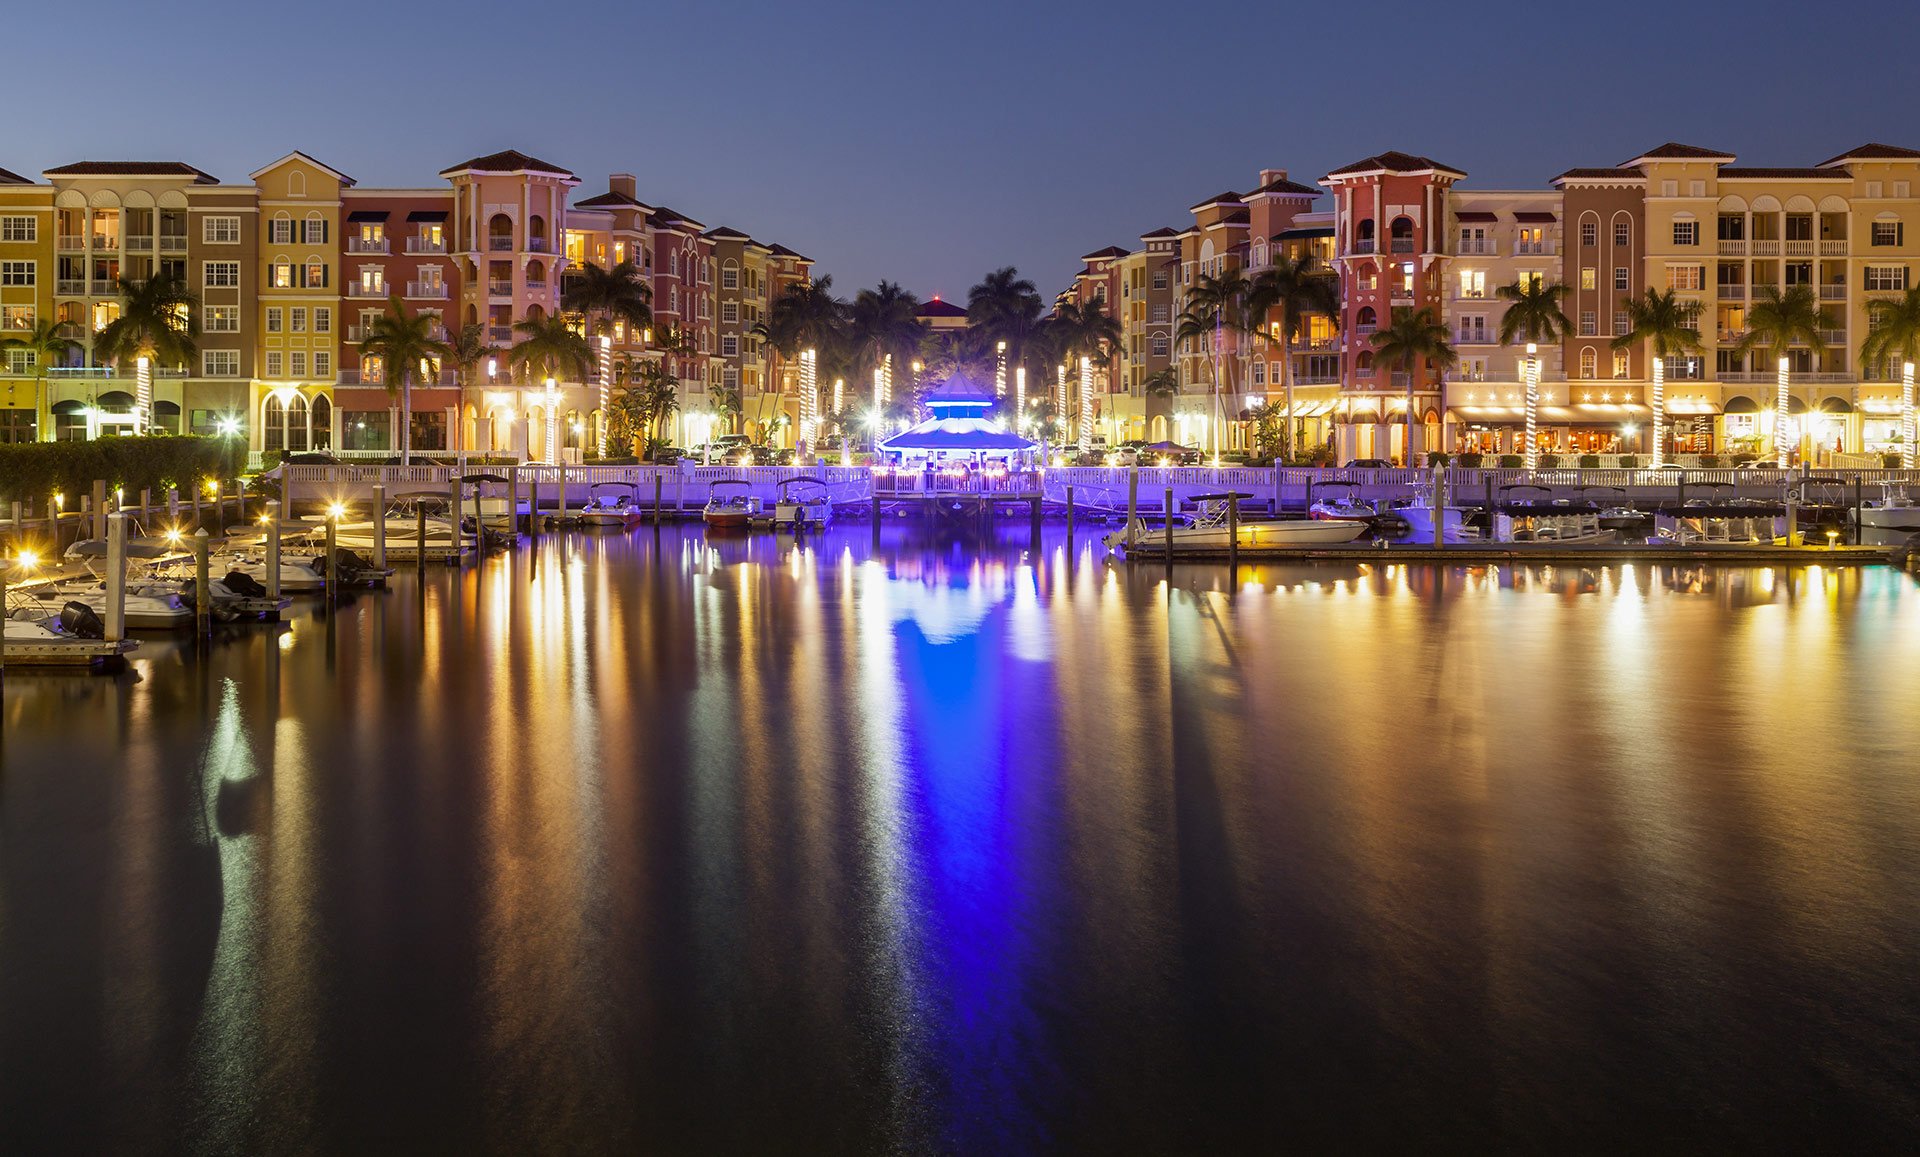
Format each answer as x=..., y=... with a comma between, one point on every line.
x=928, y=143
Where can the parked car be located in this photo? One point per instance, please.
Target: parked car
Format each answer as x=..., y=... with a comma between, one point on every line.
x=668, y=454
x=1368, y=464
x=311, y=458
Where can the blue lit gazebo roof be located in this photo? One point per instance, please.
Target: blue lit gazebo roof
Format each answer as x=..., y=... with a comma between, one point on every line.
x=959, y=397
x=959, y=423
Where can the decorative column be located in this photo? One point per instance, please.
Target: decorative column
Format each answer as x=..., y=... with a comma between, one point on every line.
x=1659, y=406
x=1780, y=406
x=1532, y=450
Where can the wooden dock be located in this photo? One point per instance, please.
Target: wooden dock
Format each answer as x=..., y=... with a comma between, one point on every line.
x=69, y=653
x=1507, y=553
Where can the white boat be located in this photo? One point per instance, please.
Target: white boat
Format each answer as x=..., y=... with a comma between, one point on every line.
x=730, y=505
x=299, y=573
x=610, y=504
x=1419, y=519
x=801, y=504
x=149, y=606
x=1895, y=510
x=1343, y=504
x=71, y=638
x=1215, y=536
x=402, y=520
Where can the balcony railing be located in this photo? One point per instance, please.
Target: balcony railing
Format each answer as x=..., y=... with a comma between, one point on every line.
x=1533, y=248
x=1833, y=293
x=500, y=288
x=1473, y=337
x=173, y=242
x=72, y=241
x=367, y=245
x=1834, y=248
x=423, y=245
x=500, y=333
x=536, y=285
x=1799, y=249
x=1833, y=336
x=536, y=244
x=1766, y=249
x=359, y=333
x=140, y=242
x=500, y=244
x=436, y=290
x=1401, y=244
x=1733, y=292
x=106, y=241
x=1365, y=246
x=1480, y=248
x=71, y=286
x=362, y=289
x=1733, y=248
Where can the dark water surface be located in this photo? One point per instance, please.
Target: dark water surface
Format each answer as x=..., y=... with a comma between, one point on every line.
x=638, y=843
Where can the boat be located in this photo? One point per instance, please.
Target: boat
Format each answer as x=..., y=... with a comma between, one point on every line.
x=148, y=606
x=1894, y=510
x=801, y=504
x=402, y=521
x=610, y=504
x=1347, y=505
x=730, y=505
x=1299, y=532
x=73, y=637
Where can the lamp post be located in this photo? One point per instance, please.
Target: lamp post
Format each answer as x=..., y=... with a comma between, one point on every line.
x=1659, y=407
x=1533, y=406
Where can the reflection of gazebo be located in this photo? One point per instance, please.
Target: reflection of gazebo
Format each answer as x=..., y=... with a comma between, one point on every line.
x=959, y=428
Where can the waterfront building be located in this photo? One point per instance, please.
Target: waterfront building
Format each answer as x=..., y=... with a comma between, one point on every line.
x=26, y=301
x=297, y=307
x=397, y=246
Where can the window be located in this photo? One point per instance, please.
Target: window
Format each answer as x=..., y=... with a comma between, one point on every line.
x=1621, y=326
x=729, y=277
x=729, y=346
x=1686, y=232
x=1160, y=279
x=1589, y=362
x=220, y=274
x=1696, y=188
x=1159, y=345
x=1530, y=279
x=1473, y=283
x=1259, y=373
x=1589, y=277
x=322, y=364
x=1621, y=366
x=1589, y=233
x=1620, y=277
x=220, y=318
x=1160, y=314
x=17, y=272
x=276, y=319
x=730, y=312
x=280, y=275
x=1589, y=323
x=19, y=229
x=280, y=231
x=1669, y=188
x=297, y=362
x=1873, y=188
x=314, y=274
x=1886, y=277
x=298, y=317
x=1902, y=189
x=273, y=364
x=220, y=230
x=1888, y=233
x=1686, y=276
x=322, y=319
x=17, y=317
x=1622, y=233
x=1472, y=370
x=220, y=363
x=314, y=231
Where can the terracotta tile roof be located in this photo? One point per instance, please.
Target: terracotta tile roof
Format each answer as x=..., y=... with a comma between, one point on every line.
x=1227, y=198
x=507, y=161
x=9, y=177
x=937, y=308
x=724, y=233
x=665, y=218
x=1597, y=174
x=1873, y=152
x=783, y=251
x=1287, y=188
x=1675, y=151
x=133, y=169
x=1393, y=161
x=610, y=200
x=1728, y=171
x=1239, y=217
x=1110, y=251
x=1159, y=233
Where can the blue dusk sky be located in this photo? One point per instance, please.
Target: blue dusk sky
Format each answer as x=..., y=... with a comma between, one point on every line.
x=929, y=143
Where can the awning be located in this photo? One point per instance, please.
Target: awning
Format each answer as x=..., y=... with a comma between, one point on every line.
x=1292, y=234
x=1741, y=404
x=1690, y=407
x=1476, y=215
x=1535, y=217
x=427, y=215
x=359, y=215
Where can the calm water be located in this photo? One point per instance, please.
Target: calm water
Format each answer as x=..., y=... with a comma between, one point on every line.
x=642, y=844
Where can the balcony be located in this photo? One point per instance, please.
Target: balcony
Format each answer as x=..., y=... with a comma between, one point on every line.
x=173, y=242
x=1365, y=246
x=1799, y=249
x=1479, y=248
x=537, y=245
x=428, y=290
x=359, y=333
x=1364, y=330
x=71, y=287
x=371, y=290
x=1833, y=337
x=1733, y=248
x=140, y=242
x=367, y=245
x=500, y=289
x=1834, y=248
x=106, y=241
x=1733, y=293
x=72, y=243
x=1401, y=244
x=1833, y=293
x=1473, y=337
x=536, y=286
x=1766, y=249
x=500, y=333
x=424, y=245
x=500, y=244
x=1533, y=249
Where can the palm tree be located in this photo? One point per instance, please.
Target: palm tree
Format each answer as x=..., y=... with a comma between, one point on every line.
x=1006, y=307
x=1213, y=306
x=603, y=297
x=1893, y=331
x=404, y=344
x=1161, y=383
x=49, y=344
x=549, y=348
x=1413, y=339
x=466, y=349
x=1295, y=287
x=1086, y=332
x=806, y=317
x=1534, y=316
x=1776, y=321
x=1666, y=323
x=882, y=324
x=158, y=322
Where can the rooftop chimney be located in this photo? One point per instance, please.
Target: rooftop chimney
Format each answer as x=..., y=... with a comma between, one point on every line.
x=623, y=184
x=1269, y=176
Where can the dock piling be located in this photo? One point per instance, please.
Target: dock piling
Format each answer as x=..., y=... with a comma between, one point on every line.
x=1069, y=512
x=513, y=501
x=1167, y=509
x=202, y=594
x=420, y=536
x=98, y=529
x=379, y=527
x=1439, y=506
x=116, y=616
x=1233, y=536
x=1859, y=528
x=273, y=548
x=453, y=516
x=1133, y=498
x=660, y=484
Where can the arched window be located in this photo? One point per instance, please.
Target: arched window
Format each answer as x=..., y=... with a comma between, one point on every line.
x=500, y=233
x=283, y=421
x=1364, y=363
x=1366, y=318
x=1402, y=227
x=537, y=231
x=1589, y=362
x=536, y=274
x=320, y=422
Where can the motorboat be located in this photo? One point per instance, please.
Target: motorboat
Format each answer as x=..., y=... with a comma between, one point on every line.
x=1297, y=532
x=148, y=606
x=299, y=573
x=1894, y=510
x=1346, y=503
x=1546, y=518
x=610, y=504
x=72, y=636
x=730, y=505
x=402, y=520
x=802, y=504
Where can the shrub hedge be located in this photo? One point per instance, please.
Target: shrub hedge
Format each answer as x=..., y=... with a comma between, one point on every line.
x=32, y=472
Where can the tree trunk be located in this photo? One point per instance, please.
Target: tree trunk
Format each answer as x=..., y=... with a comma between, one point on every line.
x=1406, y=449
x=1286, y=385
x=406, y=419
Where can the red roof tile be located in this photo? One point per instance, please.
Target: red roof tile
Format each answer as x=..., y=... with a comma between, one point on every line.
x=506, y=161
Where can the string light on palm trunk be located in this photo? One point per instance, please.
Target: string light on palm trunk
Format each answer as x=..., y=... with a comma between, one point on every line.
x=1906, y=416
x=809, y=397
x=143, y=388
x=1019, y=398
x=1659, y=407
x=1086, y=405
x=1780, y=404
x=606, y=386
x=1533, y=405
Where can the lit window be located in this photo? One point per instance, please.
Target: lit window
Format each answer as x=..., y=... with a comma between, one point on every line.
x=1589, y=277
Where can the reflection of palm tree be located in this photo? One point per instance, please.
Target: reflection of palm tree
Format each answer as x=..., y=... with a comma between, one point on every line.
x=48, y=344
x=1413, y=339
x=1777, y=321
x=403, y=344
x=159, y=322
x=1894, y=333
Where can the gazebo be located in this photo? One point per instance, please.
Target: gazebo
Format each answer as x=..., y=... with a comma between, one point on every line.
x=959, y=430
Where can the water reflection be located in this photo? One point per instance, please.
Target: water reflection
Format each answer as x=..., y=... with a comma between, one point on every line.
x=652, y=841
